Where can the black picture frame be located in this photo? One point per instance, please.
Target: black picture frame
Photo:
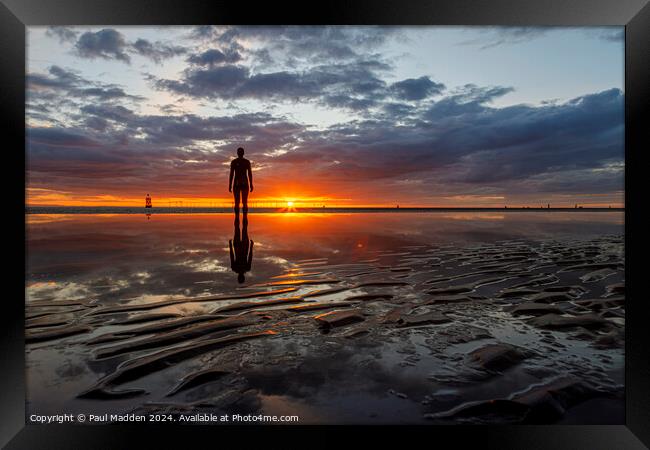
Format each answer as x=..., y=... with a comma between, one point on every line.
x=15, y=15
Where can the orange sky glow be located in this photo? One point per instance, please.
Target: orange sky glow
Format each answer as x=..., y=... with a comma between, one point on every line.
x=42, y=197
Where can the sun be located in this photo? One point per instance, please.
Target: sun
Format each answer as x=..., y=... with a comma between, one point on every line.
x=290, y=204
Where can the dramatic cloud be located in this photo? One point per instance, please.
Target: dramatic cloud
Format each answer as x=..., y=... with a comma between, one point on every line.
x=479, y=145
x=322, y=111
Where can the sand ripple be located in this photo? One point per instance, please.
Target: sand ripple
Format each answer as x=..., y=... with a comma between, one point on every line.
x=465, y=320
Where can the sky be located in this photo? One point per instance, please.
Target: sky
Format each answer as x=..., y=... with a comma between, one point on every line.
x=328, y=115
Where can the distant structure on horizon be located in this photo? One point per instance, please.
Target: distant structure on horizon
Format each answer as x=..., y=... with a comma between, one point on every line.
x=147, y=202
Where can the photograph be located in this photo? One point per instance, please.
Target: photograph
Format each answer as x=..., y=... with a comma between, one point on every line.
x=314, y=225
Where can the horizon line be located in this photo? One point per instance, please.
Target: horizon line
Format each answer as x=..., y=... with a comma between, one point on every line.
x=326, y=208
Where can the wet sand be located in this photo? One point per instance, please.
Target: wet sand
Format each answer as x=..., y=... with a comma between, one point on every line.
x=440, y=318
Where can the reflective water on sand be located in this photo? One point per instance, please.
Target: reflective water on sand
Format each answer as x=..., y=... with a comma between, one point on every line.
x=92, y=277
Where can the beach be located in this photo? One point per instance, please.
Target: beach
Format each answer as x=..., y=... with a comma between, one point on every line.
x=412, y=317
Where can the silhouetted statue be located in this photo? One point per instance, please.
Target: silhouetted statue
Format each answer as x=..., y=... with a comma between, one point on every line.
x=241, y=177
x=241, y=250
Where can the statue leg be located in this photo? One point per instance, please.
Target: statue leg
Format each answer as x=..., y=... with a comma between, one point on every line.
x=244, y=200
x=236, y=193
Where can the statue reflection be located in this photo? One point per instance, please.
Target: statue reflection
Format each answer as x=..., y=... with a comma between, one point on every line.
x=241, y=249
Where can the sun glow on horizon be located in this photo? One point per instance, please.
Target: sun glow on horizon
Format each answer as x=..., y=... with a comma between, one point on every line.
x=45, y=197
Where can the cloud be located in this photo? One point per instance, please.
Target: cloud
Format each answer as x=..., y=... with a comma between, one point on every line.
x=313, y=43
x=64, y=34
x=104, y=93
x=176, y=131
x=345, y=101
x=214, y=56
x=60, y=138
x=496, y=36
x=611, y=34
x=501, y=35
x=468, y=99
x=157, y=51
x=116, y=113
x=59, y=80
x=398, y=111
x=96, y=123
x=106, y=43
x=212, y=82
x=354, y=85
x=416, y=88
x=111, y=44
x=575, y=146
x=477, y=146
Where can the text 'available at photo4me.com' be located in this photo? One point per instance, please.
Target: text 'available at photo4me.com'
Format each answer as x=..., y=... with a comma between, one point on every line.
x=171, y=418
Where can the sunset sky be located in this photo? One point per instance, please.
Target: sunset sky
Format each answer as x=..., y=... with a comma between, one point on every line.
x=342, y=116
